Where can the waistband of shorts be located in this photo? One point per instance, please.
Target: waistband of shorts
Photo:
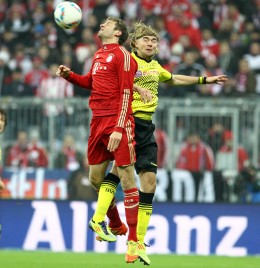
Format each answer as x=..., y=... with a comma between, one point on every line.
x=144, y=115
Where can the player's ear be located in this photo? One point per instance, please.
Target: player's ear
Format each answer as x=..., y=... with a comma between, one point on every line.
x=118, y=33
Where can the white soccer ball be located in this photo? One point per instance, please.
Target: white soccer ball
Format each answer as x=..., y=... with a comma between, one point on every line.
x=68, y=15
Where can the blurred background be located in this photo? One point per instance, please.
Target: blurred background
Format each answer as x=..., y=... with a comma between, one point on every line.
x=208, y=135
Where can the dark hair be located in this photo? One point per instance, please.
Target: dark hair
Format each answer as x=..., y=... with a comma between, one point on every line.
x=3, y=113
x=120, y=26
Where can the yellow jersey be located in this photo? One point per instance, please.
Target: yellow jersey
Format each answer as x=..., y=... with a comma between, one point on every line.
x=148, y=76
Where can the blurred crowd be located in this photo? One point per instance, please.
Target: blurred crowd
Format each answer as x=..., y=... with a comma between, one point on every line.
x=198, y=37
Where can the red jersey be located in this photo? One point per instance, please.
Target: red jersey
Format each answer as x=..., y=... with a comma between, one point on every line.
x=111, y=80
x=196, y=158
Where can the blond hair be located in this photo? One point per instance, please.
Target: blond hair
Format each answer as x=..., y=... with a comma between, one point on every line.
x=141, y=30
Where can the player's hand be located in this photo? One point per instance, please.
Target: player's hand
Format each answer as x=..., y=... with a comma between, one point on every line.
x=145, y=94
x=218, y=79
x=63, y=71
x=114, y=141
x=2, y=186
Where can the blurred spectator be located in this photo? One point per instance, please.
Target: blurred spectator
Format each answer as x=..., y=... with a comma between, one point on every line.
x=38, y=12
x=82, y=62
x=37, y=74
x=225, y=30
x=184, y=27
x=20, y=60
x=26, y=154
x=37, y=154
x=17, y=88
x=48, y=55
x=69, y=157
x=245, y=79
x=54, y=87
x=228, y=61
x=195, y=155
x=209, y=44
x=239, y=19
x=256, y=14
x=164, y=44
x=5, y=72
x=243, y=83
x=17, y=27
x=18, y=154
x=162, y=141
x=215, y=138
x=224, y=158
x=203, y=21
x=92, y=22
x=3, y=8
x=188, y=67
x=100, y=10
x=220, y=13
x=212, y=68
x=237, y=44
x=185, y=41
x=177, y=52
x=253, y=58
x=247, y=185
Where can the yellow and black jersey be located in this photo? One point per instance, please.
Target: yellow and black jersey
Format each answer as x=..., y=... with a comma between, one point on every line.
x=148, y=76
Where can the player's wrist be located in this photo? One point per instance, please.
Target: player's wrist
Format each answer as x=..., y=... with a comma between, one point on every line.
x=202, y=80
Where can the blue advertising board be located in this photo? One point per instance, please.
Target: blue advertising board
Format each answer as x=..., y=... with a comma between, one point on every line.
x=203, y=229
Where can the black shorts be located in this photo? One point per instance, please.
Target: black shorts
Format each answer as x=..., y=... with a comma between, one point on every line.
x=146, y=147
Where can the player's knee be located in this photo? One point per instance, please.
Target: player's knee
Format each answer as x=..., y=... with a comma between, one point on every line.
x=95, y=180
x=126, y=175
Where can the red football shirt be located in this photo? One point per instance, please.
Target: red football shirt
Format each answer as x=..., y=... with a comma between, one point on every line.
x=111, y=80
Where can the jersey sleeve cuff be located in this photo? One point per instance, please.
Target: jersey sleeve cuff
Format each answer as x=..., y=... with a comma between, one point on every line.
x=70, y=77
x=119, y=129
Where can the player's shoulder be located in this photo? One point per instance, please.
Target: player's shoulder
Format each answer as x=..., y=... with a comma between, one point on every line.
x=123, y=50
x=126, y=55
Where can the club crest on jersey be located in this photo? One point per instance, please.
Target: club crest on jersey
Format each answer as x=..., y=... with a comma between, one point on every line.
x=138, y=73
x=110, y=57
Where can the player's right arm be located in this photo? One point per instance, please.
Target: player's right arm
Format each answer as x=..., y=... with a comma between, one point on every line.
x=84, y=81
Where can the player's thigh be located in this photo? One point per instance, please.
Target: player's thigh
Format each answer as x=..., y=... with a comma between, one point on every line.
x=97, y=144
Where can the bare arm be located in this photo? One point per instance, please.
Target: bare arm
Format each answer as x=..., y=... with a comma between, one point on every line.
x=185, y=80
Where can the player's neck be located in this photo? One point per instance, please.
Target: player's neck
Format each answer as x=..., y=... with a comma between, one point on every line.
x=110, y=41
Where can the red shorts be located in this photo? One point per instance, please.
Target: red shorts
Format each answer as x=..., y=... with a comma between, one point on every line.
x=100, y=130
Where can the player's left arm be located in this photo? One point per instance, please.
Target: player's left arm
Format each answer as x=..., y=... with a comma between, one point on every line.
x=185, y=80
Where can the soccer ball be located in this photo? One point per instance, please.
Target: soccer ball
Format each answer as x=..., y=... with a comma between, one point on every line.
x=68, y=15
